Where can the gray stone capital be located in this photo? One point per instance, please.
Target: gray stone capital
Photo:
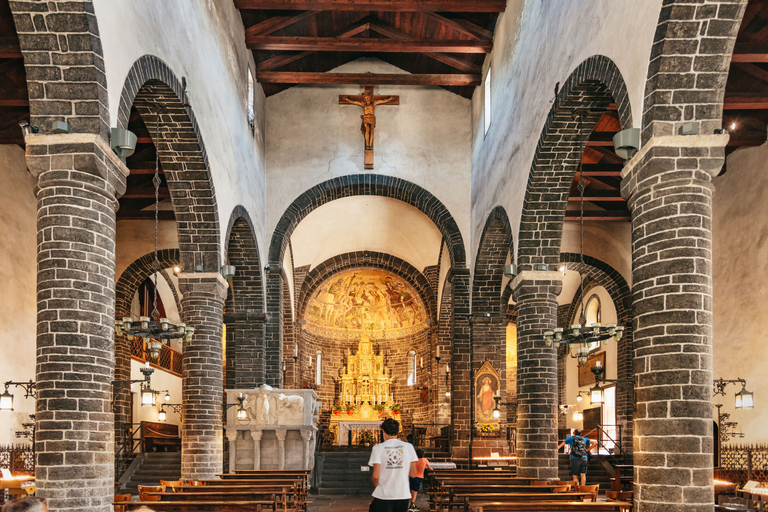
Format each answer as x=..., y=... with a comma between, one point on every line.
x=208, y=283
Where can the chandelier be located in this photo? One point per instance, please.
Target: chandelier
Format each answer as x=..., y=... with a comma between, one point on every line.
x=578, y=337
x=154, y=330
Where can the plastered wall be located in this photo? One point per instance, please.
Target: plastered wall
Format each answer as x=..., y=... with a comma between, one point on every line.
x=204, y=41
x=537, y=44
x=425, y=140
x=18, y=282
x=740, y=269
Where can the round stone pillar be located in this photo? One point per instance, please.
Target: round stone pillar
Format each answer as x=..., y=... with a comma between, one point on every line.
x=668, y=188
x=536, y=297
x=202, y=383
x=79, y=179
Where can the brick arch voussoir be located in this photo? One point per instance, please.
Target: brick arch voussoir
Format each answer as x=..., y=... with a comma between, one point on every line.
x=138, y=272
x=247, y=289
x=63, y=56
x=689, y=86
x=495, y=244
x=151, y=86
x=593, y=85
x=607, y=277
x=367, y=185
x=367, y=259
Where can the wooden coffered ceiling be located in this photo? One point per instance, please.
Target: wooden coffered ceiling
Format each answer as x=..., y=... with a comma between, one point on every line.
x=440, y=42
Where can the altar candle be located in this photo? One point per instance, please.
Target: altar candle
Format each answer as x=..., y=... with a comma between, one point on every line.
x=296, y=350
x=438, y=351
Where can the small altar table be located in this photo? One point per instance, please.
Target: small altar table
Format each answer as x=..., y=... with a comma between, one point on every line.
x=356, y=426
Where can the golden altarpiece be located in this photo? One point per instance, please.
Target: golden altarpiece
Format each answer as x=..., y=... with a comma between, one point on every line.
x=365, y=395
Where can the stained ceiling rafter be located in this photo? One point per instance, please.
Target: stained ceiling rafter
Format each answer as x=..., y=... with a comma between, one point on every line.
x=480, y=6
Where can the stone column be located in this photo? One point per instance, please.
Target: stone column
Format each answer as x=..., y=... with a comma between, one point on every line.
x=256, y=436
x=281, y=448
x=669, y=190
x=79, y=180
x=306, y=435
x=202, y=376
x=461, y=392
x=536, y=297
x=232, y=438
x=273, y=332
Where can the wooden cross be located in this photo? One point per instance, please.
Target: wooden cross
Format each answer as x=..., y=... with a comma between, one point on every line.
x=369, y=102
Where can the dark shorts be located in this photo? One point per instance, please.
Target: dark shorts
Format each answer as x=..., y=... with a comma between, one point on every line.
x=415, y=483
x=378, y=505
x=579, y=466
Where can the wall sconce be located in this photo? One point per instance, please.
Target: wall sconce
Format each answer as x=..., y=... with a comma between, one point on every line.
x=162, y=415
x=26, y=129
x=122, y=142
x=626, y=143
x=596, y=395
x=744, y=398
x=242, y=414
x=579, y=398
x=6, y=399
x=578, y=416
x=147, y=393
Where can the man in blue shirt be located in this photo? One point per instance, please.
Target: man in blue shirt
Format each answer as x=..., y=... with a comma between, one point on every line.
x=579, y=459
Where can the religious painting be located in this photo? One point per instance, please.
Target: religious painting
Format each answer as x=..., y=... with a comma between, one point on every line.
x=586, y=377
x=486, y=388
x=366, y=300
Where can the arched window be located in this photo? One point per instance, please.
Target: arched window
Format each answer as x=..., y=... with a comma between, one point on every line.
x=319, y=368
x=592, y=314
x=412, y=368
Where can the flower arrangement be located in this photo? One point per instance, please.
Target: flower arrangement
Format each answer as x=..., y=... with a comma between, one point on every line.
x=337, y=409
x=379, y=407
x=395, y=408
x=350, y=409
x=485, y=427
x=367, y=438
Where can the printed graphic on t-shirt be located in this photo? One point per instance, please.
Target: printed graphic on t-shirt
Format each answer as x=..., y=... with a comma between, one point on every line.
x=394, y=457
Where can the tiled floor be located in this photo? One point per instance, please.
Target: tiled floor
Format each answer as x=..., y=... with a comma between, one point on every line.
x=351, y=503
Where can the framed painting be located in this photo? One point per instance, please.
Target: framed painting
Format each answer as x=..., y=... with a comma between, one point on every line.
x=486, y=387
x=586, y=377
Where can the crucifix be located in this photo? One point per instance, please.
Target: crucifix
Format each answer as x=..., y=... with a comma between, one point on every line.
x=369, y=102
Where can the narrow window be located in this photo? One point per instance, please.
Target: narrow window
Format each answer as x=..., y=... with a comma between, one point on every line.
x=487, y=99
x=412, y=368
x=319, y=369
x=251, y=108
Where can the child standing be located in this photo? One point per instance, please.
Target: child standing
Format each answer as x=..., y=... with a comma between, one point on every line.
x=415, y=482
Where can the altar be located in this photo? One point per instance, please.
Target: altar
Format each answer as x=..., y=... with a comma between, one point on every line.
x=365, y=397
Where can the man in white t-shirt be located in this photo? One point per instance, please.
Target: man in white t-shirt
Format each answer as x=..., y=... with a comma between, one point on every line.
x=393, y=462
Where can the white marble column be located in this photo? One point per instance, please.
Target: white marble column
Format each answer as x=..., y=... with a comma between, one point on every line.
x=256, y=436
x=232, y=437
x=306, y=435
x=281, y=448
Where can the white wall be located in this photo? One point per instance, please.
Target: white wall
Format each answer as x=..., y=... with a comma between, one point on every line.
x=537, y=44
x=740, y=269
x=161, y=381
x=424, y=140
x=136, y=238
x=609, y=242
x=370, y=223
x=18, y=282
x=204, y=41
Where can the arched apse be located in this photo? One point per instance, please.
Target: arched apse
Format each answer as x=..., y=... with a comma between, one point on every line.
x=589, y=90
x=151, y=85
x=244, y=306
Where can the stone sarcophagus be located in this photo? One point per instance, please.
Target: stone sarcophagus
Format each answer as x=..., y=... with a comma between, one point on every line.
x=270, y=428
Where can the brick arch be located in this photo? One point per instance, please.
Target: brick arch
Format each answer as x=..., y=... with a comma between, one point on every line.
x=495, y=244
x=592, y=86
x=150, y=82
x=366, y=259
x=138, y=272
x=687, y=86
x=63, y=55
x=367, y=185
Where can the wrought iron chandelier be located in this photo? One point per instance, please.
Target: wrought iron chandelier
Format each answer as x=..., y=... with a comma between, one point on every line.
x=578, y=338
x=155, y=331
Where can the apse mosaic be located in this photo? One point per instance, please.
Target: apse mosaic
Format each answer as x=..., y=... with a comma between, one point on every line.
x=366, y=300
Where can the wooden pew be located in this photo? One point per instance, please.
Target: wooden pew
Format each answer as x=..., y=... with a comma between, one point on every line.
x=154, y=435
x=446, y=495
x=293, y=492
x=549, y=506
x=204, y=506
x=464, y=500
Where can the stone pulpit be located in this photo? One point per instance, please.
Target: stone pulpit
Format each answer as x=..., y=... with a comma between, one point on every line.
x=278, y=430
x=365, y=394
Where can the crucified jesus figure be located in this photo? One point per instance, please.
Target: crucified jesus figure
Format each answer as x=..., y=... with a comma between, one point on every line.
x=369, y=102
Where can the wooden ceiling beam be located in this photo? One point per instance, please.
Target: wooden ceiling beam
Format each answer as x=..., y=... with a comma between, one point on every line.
x=10, y=48
x=753, y=69
x=377, y=5
x=454, y=25
x=13, y=102
x=745, y=101
x=275, y=23
x=750, y=52
x=148, y=170
x=444, y=80
x=336, y=44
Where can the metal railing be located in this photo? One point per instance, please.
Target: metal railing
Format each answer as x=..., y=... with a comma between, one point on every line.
x=128, y=442
x=168, y=360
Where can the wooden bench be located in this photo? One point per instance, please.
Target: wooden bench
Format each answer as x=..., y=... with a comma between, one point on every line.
x=464, y=500
x=446, y=494
x=156, y=435
x=550, y=506
x=205, y=506
x=294, y=493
